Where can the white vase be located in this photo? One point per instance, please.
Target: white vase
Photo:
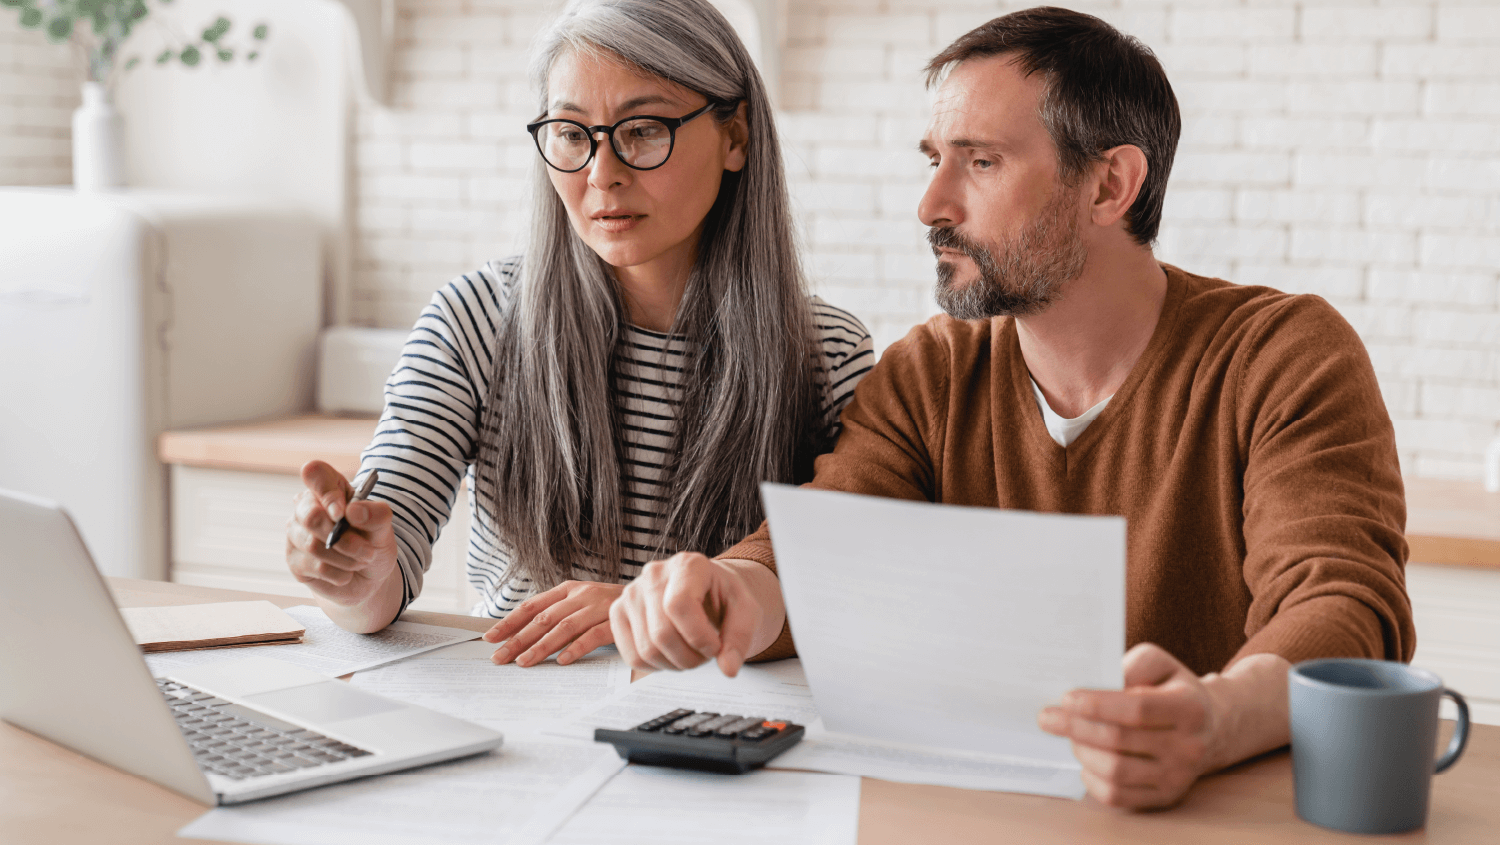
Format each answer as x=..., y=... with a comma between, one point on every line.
x=98, y=142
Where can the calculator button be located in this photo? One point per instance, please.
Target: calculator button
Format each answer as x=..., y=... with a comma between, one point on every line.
x=686, y=722
x=738, y=725
x=757, y=733
x=706, y=728
x=662, y=721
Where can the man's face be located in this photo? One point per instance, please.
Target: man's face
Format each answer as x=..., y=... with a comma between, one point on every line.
x=1005, y=229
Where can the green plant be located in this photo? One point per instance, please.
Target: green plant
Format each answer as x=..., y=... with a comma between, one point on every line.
x=99, y=28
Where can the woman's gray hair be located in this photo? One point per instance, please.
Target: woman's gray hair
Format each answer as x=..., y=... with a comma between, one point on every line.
x=551, y=439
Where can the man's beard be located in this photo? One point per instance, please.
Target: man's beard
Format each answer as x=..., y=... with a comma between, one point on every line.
x=1020, y=277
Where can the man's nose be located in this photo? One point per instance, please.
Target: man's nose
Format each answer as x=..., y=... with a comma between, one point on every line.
x=941, y=204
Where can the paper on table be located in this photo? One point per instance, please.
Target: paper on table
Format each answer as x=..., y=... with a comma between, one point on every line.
x=326, y=648
x=645, y=805
x=515, y=796
x=826, y=752
x=947, y=627
x=461, y=681
x=774, y=690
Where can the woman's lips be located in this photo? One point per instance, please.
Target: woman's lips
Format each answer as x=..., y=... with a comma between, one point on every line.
x=617, y=223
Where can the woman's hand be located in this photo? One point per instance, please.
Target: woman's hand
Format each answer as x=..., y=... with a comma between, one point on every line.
x=356, y=581
x=574, y=614
x=683, y=611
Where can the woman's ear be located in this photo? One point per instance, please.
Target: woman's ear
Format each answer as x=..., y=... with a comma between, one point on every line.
x=738, y=138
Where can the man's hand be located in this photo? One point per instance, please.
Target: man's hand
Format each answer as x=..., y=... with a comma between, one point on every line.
x=574, y=614
x=683, y=611
x=1143, y=747
x=357, y=574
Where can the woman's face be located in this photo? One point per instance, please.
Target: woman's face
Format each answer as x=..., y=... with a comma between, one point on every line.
x=640, y=220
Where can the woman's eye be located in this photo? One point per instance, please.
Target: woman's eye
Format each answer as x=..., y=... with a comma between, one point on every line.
x=572, y=136
x=647, y=132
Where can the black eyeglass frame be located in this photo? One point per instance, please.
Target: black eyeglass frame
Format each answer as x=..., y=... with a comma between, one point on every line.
x=672, y=124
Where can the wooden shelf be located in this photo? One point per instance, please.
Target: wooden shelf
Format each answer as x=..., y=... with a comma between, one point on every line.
x=1455, y=523
x=276, y=446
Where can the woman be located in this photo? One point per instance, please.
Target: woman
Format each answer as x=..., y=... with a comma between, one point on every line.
x=619, y=391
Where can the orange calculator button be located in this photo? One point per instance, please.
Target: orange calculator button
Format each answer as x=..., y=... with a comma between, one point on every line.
x=773, y=725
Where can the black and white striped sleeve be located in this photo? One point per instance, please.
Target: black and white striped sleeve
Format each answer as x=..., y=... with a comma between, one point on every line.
x=848, y=354
x=427, y=435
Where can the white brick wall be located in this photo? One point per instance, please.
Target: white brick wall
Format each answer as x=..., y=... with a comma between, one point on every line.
x=38, y=92
x=1349, y=148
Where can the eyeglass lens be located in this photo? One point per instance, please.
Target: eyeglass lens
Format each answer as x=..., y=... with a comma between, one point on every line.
x=639, y=143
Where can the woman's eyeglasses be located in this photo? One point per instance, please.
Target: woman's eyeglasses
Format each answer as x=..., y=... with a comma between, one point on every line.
x=642, y=142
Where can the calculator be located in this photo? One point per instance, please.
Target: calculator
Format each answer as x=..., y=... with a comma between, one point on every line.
x=714, y=742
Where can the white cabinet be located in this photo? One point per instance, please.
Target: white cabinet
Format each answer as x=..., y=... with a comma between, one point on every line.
x=229, y=531
x=123, y=314
x=1457, y=611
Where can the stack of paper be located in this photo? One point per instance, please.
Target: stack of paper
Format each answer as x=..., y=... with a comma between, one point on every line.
x=194, y=626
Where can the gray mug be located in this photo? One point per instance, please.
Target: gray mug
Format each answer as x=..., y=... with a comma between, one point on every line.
x=1363, y=734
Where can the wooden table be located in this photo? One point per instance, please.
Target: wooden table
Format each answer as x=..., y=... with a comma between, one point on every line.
x=51, y=795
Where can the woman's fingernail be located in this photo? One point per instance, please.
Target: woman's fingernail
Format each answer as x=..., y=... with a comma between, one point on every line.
x=502, y=655
x=565, y=658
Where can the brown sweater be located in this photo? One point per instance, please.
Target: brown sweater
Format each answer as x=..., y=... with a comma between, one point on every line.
x=1249, y=450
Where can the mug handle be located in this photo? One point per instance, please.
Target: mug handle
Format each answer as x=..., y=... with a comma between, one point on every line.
x=1460, y=733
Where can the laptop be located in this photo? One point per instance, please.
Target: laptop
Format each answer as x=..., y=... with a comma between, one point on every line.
x=221, y=733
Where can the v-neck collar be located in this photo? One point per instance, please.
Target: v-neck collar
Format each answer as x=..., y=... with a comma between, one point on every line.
x=1034, y=435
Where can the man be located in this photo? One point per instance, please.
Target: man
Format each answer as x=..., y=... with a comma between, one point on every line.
x=1239, y=430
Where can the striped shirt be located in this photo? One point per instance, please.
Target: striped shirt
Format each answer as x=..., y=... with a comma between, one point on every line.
x=426, y=442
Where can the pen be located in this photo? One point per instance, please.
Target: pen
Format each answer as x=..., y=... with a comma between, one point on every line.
x=359, y=495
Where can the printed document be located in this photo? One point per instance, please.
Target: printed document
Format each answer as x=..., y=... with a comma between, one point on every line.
x=516, y=795
x=939, y=632
x=647, y=805
x=326, y=648
x=461, y=681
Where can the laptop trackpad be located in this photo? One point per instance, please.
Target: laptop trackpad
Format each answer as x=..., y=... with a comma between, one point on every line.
x=330, y=701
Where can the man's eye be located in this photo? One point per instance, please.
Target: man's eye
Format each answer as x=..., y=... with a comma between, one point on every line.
x=982, y=163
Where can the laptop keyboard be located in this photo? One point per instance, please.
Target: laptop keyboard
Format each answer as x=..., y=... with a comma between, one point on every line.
x=240, y=743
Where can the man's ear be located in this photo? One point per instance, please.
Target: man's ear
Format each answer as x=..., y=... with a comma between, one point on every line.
x=738, y=137
x=1120, y=176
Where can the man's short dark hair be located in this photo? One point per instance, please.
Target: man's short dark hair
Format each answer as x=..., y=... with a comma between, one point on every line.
x=1103, y=89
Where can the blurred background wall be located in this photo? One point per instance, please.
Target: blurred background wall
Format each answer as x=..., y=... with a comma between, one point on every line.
x=1348, y=148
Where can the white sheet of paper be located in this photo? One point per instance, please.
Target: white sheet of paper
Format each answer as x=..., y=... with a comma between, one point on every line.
x=825, y=752
x=461, y=681
x=517, y=795
x=646, y=805
x=326, y=648
x=948, y=628
x=774, y=690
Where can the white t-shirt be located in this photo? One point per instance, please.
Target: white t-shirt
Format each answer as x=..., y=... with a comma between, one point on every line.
x=1065, y=431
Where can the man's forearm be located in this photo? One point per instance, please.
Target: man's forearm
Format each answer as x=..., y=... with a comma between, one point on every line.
x=1249, y=708
x=766, y=588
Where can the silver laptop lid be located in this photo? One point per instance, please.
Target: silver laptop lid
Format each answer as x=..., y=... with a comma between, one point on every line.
x=69, y=669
